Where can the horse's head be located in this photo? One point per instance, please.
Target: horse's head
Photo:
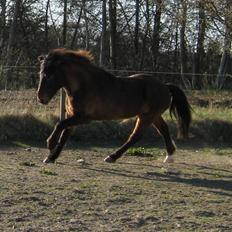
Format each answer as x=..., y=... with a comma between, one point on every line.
x=57, y=68
x=52, y=77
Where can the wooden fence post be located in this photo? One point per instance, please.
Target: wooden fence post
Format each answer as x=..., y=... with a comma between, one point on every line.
x=62, y=92
x=62, y=104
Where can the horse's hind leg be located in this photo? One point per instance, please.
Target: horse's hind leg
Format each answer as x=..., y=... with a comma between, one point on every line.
x=141, y=124
x=162, y=128
x=57, y=150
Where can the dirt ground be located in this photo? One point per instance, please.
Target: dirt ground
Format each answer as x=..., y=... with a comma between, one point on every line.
x=138, y=193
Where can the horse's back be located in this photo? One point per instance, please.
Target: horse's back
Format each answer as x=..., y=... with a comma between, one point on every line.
x=117, y=98
x=157, y=94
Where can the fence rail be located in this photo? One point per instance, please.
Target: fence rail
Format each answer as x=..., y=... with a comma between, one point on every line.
x=24, y=77
x=3, y=67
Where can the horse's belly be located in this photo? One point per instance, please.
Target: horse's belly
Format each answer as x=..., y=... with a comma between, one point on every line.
x=114, y=111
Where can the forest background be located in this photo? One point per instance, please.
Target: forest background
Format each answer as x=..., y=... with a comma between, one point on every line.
x=186, y=42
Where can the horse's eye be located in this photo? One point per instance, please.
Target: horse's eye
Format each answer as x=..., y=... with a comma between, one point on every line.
x=48, y=76
x=46, y=73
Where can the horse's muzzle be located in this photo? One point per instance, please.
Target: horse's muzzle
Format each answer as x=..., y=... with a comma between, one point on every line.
x=42, y=101
x=41, y=98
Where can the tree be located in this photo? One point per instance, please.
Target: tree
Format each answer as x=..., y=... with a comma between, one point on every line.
x=2, y=24
x=147, y=26
x=156, y=33
x=64, y=33
x=113, y=31
x=183, y=49
x=103, y=35
x=136, y=34
x=198, y=59
x=11, y=40
x=64, y=39
x=225, y=59
x=77, y=26
x=87, y=36
x=46, y=27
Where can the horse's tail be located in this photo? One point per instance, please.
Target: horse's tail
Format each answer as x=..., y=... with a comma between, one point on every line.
x=181, y=109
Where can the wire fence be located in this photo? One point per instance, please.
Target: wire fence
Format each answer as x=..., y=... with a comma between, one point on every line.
x=22, y=82
x=26, y=77
x=18, y=77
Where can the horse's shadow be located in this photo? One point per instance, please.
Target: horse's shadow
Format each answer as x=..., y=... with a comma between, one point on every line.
x=216, y=186
x=225, y=185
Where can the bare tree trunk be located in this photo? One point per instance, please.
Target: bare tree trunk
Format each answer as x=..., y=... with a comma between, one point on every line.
x=76, y=28
x=2, y=24
x=86, y=27
x=12, y=36
x=227, y=47
x=102, y=57
x=113, y=34
x=198, y=59
x=136, y=35
x=147, y=16
x=183, y=50
x=223, y=64
x=64, y=40
x=59, y=38
x=156, y=33
x=46, y=27
x=136, y=38
x=64, y=33
x=176, y=39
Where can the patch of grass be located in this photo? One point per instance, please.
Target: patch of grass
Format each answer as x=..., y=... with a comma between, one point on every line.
x=213, y=130
x=223, y=152
x=153, y=153
x=22, y=128
x=20, y=144
x=137, y=151
x=48, y=172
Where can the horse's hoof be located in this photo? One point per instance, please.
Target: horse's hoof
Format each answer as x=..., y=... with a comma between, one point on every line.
x=48, y=160
x=109, y=159
x=169, y=159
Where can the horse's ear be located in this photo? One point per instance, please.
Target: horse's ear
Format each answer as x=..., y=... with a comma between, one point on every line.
x=41, y=58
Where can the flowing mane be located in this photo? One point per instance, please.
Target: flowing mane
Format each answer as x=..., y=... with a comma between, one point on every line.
x=86, y=54
x=81, y=57
x=80, y=54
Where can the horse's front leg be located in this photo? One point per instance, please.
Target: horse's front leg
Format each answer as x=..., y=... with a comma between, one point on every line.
x=53, y=139
x=55, y=152
x=60, y=134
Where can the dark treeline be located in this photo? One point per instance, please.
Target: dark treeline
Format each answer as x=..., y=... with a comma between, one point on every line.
x=172, y=36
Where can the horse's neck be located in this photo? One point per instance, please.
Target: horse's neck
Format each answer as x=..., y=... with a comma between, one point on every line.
x=99, y=77
x=85, y=77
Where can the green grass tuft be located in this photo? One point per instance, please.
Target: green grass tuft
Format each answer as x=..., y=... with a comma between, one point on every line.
x=47, y=172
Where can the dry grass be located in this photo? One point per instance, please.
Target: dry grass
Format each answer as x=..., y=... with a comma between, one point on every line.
x=23, y=119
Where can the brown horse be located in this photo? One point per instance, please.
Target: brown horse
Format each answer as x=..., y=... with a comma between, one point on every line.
x=94, y=94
